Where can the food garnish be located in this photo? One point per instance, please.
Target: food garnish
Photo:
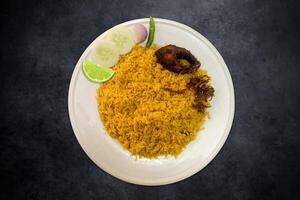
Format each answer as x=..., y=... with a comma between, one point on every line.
x=151, y=32
x=96, y=73
x=140, y=33
x=122, y=37
x=105, y=53
x=204, y=92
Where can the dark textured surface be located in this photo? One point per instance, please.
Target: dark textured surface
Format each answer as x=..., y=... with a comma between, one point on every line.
x=40, y=44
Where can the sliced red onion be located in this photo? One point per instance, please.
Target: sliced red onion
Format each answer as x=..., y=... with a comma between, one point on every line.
x=140, y=33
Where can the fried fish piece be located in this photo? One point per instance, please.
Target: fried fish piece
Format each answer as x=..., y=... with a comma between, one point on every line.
x=177, y=59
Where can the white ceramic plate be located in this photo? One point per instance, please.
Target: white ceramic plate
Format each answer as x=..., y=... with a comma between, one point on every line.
x=107, y=152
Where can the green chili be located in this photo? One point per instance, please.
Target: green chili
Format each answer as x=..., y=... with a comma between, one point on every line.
x=151, y=32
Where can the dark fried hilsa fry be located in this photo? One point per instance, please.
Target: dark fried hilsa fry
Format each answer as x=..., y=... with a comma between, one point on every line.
x=169, y=57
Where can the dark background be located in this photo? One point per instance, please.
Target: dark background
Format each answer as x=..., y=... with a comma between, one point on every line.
x=42, y=40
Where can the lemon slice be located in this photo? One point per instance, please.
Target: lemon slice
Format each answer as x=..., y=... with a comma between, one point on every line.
x=95, y=72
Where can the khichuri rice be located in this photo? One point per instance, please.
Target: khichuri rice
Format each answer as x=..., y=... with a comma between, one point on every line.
x=148, y=109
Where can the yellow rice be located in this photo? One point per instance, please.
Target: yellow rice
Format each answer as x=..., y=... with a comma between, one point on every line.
x=146, y=119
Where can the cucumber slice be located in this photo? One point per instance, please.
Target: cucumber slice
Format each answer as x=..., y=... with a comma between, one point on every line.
x=104, y=54
x=122, y=37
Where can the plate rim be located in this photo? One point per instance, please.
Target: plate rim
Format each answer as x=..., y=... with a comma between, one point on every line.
x=192, y=170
